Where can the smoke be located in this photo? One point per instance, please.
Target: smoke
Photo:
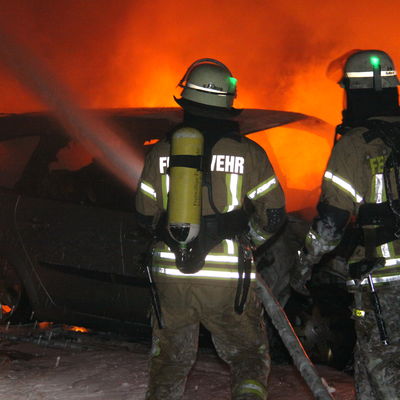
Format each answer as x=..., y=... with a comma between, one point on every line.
x=132, y=53
x=128, y=53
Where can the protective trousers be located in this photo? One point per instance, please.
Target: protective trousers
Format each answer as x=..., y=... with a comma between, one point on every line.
x=377, y=367
x=240, y=340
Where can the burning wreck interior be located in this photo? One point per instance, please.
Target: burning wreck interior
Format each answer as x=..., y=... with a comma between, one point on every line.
x=63, y=57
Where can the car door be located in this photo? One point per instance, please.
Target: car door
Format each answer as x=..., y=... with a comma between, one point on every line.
x=72, y=219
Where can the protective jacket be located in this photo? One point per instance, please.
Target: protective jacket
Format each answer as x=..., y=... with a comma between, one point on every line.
x=355, y=182
x=239, y=168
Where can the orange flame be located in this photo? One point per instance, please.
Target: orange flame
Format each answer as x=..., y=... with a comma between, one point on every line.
x=45, y=325
x=5, y=309
x=80, y=329
x=134, y=55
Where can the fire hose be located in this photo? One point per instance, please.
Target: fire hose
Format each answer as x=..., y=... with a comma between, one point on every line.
x=318, y=387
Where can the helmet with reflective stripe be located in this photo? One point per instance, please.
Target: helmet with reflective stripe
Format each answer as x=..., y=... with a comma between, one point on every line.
x=369, y=69
x=209, y=82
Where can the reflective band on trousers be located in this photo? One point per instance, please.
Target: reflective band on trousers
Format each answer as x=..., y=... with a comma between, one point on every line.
x=369, y=74
x=343, y=185
x=252, y=387
x=382, y=279
x=204, y=273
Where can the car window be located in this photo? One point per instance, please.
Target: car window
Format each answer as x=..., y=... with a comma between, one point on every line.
x=74, y=176
x=14, y=156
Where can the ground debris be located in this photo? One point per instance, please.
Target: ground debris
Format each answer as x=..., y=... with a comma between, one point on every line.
x=103, y=366
x=64, y=337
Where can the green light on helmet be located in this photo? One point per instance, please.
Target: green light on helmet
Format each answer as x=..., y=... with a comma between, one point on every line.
x=375, y=61
x=232, y=83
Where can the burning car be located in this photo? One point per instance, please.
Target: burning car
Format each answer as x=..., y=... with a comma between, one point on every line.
x=70, y=248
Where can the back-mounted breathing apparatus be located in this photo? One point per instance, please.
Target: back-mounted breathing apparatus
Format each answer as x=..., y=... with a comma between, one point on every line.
x=184, y=198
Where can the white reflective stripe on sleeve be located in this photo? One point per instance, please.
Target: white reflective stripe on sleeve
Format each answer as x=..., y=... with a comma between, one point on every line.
x=369, y=74
x=262, y=188
x=203, y=274
x=210, y=257
x=343, y=185
x=382, y=279
x=148, y=190
x=204, y=89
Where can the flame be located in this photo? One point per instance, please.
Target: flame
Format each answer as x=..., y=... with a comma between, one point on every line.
x=133, y=55
x=45, y=325
x=80, y=329
x=48, y=325
x=5, y=309
x=299, y=171
x=150, y=142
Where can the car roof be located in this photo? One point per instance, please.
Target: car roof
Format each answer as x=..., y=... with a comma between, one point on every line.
x=150, y=122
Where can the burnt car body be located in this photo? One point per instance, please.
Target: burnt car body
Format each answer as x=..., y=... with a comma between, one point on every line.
x=69, y=240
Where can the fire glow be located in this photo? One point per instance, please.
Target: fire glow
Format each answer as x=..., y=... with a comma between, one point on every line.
x=5, y=309
x=133, y=55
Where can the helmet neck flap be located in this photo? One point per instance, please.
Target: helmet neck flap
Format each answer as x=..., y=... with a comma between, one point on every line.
x=366, y=103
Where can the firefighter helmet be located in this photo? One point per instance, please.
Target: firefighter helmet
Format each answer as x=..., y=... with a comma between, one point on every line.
x=208, y=82
x=369, y=69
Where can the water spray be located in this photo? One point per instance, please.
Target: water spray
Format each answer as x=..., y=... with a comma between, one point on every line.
x=98, y=137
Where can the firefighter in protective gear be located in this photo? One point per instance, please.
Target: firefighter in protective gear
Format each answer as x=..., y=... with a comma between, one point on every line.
x=238, y=182
x=360, y=203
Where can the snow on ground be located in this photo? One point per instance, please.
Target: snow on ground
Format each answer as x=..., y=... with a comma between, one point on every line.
x=69, y=366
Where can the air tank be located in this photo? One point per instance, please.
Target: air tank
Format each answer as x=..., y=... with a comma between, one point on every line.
x=184, y=198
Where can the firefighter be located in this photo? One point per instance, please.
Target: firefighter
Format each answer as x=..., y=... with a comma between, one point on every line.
x=360, y=199
x=205, y=276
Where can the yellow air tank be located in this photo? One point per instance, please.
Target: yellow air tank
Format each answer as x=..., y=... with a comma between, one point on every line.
x=184, y=199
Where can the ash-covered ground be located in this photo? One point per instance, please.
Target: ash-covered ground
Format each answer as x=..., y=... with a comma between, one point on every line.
x=57, y=364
